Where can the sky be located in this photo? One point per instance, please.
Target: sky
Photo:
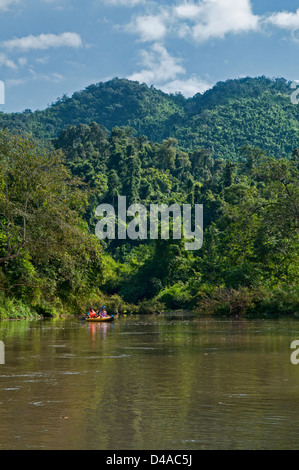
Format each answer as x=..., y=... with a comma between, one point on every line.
x=52, y=48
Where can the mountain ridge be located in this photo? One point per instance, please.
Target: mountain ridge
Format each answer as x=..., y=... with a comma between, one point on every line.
x=254, y=111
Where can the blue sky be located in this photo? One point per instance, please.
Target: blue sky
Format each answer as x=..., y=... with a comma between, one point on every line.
x=49, y=48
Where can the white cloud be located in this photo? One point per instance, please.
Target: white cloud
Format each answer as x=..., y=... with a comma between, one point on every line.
x=42, y=60
x=124, y=3
x=54, y=77
x=51, y=77
x=207, y=19
x=187, y=11
x=200, y=21
x=12, y=82
x=163, y=71
x=58, y=5
x=216, y=18
x=5, y=4
x=159, y=66
x=285, y=20
x=149, y=27
x=44, y=41
x=6, y=62
x=22, y=61
x=188, y=87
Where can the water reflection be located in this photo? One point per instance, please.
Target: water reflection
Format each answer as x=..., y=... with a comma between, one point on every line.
x=101, y=329
x=149, y=383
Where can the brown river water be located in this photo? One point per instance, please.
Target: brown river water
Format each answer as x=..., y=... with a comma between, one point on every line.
x=165, y=382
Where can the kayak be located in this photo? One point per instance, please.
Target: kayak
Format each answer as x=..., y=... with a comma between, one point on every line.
x=100, y=319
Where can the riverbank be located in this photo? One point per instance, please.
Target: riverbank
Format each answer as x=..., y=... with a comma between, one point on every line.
x=231, y=303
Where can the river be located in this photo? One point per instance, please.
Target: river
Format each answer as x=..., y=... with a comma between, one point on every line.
x=165, y=382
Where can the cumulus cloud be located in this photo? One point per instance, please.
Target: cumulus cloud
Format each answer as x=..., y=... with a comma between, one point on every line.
x=149, y=27
x=44, y=41
x=201, y=20
x=166, y=72
x=158, y=65
x=285, y=20
x=208, y=19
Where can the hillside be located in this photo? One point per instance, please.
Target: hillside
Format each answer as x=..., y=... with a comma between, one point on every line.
x=114, y=103
x=50, y=259
x=253, y=111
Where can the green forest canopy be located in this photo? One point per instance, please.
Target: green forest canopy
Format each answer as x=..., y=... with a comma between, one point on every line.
x=247, y=111
x=244, y=171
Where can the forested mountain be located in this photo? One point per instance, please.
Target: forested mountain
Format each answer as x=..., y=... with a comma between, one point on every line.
x=253, y=111
x=234, y=149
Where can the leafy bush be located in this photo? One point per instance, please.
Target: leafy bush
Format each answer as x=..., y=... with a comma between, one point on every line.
x=150, y=306
x=15, y=309
x=282, y=301
x=224, y=301
x=176, y=296
x=260, y=301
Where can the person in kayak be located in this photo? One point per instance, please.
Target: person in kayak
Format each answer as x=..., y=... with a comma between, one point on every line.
x=103, y=312
x=92, y=313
